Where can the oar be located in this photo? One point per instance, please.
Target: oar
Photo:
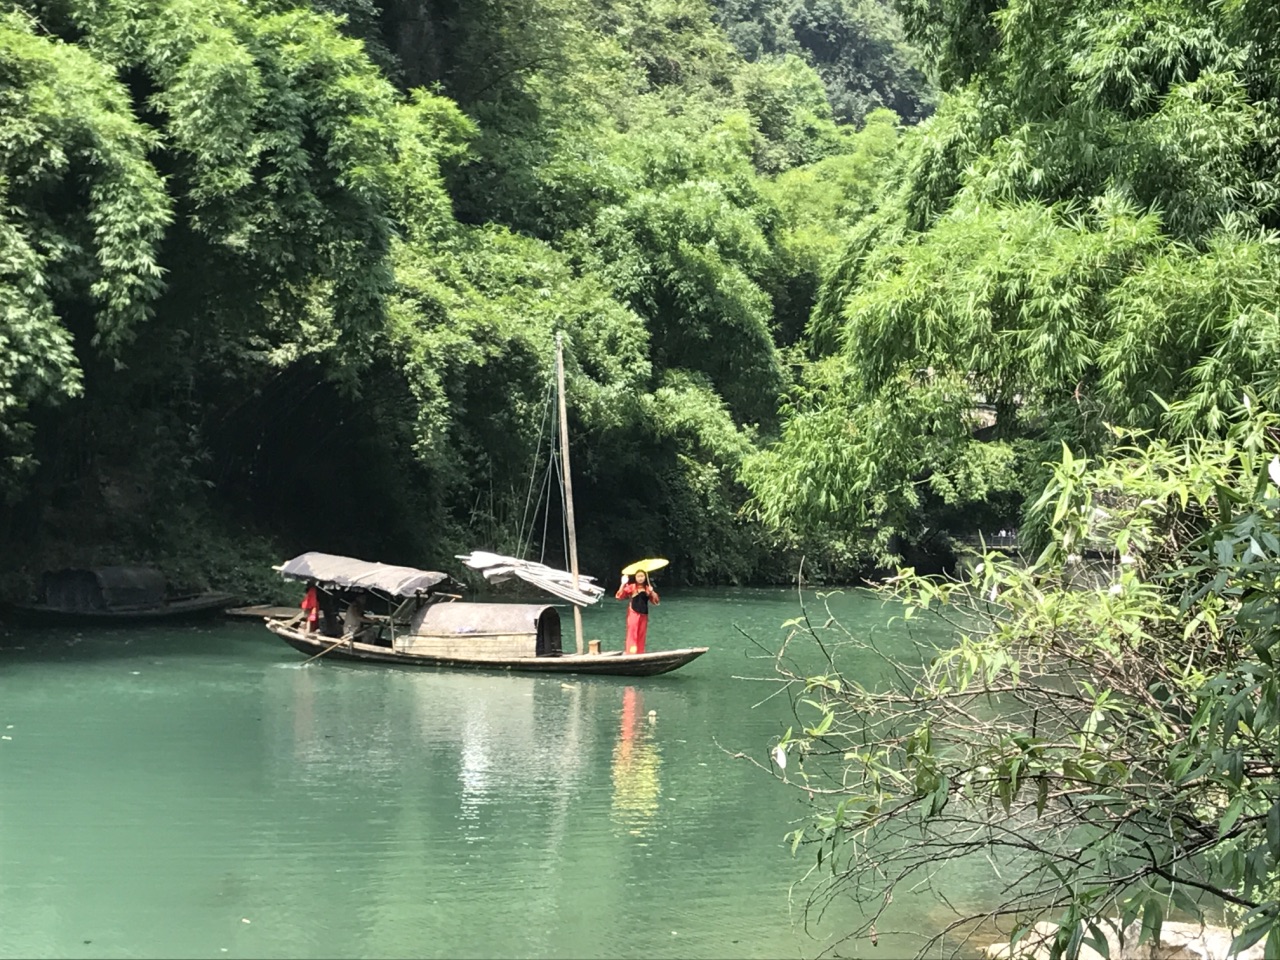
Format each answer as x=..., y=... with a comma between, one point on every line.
x=332, y=646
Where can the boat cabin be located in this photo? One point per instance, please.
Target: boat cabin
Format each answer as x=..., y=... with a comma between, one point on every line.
x=483, y=631
x=103, y=589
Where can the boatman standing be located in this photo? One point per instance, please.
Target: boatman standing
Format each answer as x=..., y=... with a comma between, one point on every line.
x=640, y=592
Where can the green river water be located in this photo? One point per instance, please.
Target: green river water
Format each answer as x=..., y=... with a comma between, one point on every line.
x=195, y=791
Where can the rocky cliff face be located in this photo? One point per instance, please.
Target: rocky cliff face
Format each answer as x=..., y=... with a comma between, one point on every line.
x=412, y=31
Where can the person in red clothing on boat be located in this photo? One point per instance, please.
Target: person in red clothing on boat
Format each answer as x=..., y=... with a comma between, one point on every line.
x=311, y=608
x=640, y=592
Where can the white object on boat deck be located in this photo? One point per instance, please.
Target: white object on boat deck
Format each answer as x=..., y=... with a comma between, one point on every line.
x=497, y=569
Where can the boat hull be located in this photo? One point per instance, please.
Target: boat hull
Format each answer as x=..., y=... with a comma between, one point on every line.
x=194, y=608
x=604, y=664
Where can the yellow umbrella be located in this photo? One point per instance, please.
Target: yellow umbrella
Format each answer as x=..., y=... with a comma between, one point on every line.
x=648, y=566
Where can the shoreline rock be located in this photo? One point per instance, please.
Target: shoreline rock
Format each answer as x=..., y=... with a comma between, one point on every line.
x=1178, y=941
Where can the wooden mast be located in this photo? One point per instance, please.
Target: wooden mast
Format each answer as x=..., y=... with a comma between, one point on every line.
x=568, y=490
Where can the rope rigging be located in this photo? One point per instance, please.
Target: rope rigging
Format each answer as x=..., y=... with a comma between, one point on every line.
x=552, y=474
x=577, y=589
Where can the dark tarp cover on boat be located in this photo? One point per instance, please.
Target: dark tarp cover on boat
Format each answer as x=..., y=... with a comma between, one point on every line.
x=329, y=570
x=104, y=588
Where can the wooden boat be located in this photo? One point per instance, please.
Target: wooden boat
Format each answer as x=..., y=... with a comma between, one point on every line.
x=113, y=594
x=610, y=663
x=420, y=624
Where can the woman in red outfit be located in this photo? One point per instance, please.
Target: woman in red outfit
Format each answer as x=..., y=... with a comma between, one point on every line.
x=641, y=593
x=311, y=608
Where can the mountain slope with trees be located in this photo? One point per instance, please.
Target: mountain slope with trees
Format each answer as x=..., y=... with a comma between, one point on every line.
x=284, y=276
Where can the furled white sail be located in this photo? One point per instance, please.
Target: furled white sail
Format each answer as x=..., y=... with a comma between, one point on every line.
x=498, y=569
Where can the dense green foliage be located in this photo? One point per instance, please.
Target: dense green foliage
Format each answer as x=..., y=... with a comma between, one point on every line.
x=203, y=193
x=856, y=46
x=1084, y=233
x=1113, y=701
x=285, y=275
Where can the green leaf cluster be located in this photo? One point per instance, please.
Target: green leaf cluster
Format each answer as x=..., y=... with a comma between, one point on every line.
x=1101, y=721
x=1085, y=233
x=857, y=47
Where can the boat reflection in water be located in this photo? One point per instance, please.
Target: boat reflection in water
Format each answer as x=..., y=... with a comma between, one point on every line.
x=636, y=759
x=498, y=737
